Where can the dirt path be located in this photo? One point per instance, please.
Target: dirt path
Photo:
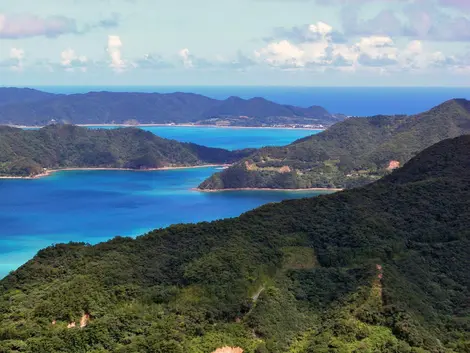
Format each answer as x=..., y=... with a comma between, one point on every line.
x=257, y=294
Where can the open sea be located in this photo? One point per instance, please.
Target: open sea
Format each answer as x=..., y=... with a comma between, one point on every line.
x=94, y=206
x=356, y=101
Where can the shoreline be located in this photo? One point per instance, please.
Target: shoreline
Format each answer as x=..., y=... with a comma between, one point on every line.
x=52, y=171
x=268, y=189
x=178, y=125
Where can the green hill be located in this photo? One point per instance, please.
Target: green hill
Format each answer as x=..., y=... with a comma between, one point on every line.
x=382, y=268
x=28, y=152
x=348, y=154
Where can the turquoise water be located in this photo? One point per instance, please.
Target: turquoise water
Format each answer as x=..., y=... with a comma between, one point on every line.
x=229, y=138
x=94, y=206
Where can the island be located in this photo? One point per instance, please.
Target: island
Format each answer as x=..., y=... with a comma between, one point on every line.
x=351, y=153
x=33, y=153
x=380, y=268
x=27, y=107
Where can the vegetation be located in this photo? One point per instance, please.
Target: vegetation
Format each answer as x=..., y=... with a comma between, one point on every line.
x=12, y=95
x=382, y=268
x=349, y=154
x=28, y=152
x=30, y=107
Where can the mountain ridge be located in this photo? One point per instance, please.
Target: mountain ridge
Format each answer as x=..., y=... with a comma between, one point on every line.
x=348, y=154
x=145, y=108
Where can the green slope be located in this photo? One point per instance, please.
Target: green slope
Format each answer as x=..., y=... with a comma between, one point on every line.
x=383, y=268
x=28, y=152
x=348, y=154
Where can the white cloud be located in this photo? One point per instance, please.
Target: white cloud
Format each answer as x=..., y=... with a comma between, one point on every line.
x=286, y=54
x=186, y=57
x=369, y=53
x=282, y=54
x=114, y=50
x=321, y=28
x=16, y=57
x=71, y=61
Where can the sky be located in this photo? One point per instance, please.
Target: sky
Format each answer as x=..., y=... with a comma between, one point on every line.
x=235, y=42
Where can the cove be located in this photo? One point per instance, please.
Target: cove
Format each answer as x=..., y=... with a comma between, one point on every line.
x=94, y=206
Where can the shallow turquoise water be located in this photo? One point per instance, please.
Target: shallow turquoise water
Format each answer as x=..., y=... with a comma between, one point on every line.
x=94, y=206
x=229, y=138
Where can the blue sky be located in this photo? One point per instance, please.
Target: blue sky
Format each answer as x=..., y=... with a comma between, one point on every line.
x=242, y=42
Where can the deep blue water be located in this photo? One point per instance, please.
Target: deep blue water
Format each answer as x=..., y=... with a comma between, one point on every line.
x=93, y=206
x=358, y=101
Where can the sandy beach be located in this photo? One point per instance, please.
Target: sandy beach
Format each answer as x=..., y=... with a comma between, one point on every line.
x=267, y=189
x=179, y=125
x=51, y=171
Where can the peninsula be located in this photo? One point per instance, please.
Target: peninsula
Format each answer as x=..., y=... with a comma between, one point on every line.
x=351, y=153
x=30, y=153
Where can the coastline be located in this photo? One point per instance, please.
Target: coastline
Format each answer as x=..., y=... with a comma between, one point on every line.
x=52, y=171
x=179, y=125
x=267, y=189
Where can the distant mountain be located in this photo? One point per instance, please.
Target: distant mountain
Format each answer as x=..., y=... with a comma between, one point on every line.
x=122, y=107
x=383, y=268
x=12, y=95
x=350, y=153
x=259, y=111
x=28, y=152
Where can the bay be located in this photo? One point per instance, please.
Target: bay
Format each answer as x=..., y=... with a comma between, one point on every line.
x=94, y=206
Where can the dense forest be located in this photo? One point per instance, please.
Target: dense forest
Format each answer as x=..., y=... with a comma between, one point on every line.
x=382, y=268
x=349, y=154
x=29, y=152
x=31, y=107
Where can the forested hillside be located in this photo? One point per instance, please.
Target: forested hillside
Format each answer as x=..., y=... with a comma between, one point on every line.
x=13, y=95
x=31, y=107
x=382, y=268
x=348, y=154
x=28, y=152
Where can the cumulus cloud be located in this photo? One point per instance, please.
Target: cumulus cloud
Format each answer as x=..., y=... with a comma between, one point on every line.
x=70, y=61
x=186, y=58
x=375, y=52
x=190, y=61
x=306, y=33
x=114, y=51
x=314, y=49
x=16, y=58
x=27, y=25
x=282, y=54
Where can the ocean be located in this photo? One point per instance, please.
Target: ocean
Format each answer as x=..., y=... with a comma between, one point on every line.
x=228, y=138
x=94, y=206
x=354, y=101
